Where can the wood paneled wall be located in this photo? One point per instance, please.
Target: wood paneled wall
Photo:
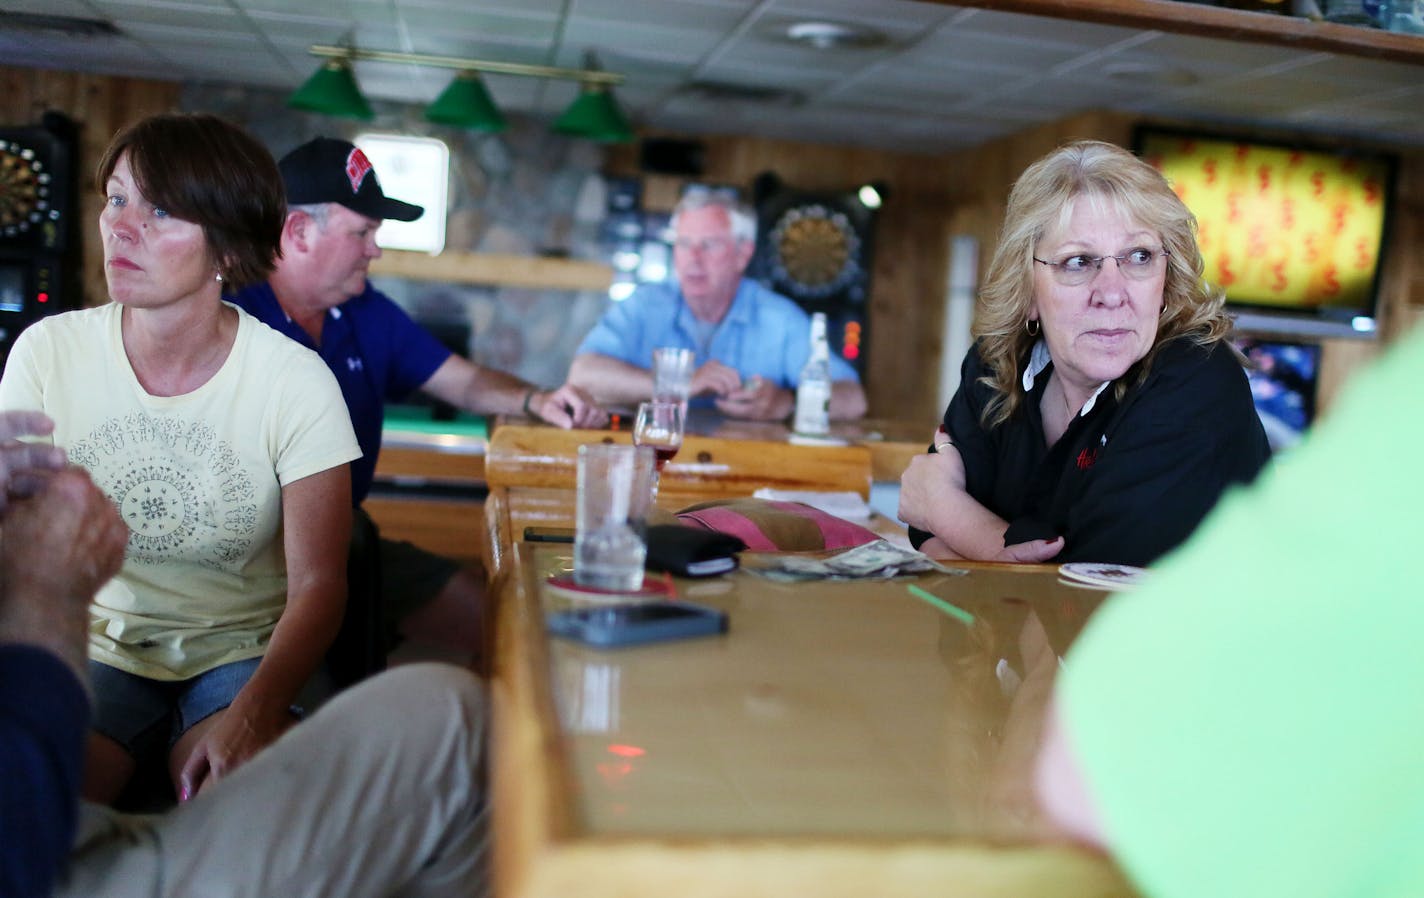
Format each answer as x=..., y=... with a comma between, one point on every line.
x=101, y=106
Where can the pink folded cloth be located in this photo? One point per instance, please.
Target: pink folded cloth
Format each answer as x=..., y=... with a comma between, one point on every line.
x=770, y=526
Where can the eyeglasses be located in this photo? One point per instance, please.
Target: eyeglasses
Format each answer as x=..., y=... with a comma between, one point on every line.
x=704, y=244
x=1079, y=269
x=708, y=191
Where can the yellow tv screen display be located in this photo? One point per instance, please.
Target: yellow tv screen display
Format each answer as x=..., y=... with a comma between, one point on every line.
x=1280, y=226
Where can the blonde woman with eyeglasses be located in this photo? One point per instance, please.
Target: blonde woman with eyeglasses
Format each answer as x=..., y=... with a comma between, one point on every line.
x=1101, y=411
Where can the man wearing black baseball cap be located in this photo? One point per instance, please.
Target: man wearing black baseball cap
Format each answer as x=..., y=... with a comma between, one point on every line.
x=327, y=170
x=319, y=296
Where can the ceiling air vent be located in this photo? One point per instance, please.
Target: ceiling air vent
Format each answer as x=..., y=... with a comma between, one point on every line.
x=723, y=92
x=70, y=25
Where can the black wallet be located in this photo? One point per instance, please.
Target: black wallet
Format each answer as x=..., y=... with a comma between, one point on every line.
x=691, y=552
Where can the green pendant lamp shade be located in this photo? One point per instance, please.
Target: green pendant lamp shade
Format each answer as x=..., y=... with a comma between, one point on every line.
x=466, y=104
x=596, y=116
x=332, y=90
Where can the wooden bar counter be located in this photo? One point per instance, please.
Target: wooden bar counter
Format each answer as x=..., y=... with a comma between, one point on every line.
x=430, y=483
x=891, y=443
x=711, y=466
x=843, y=739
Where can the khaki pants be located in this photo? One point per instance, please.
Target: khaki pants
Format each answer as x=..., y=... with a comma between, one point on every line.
x=375, y=795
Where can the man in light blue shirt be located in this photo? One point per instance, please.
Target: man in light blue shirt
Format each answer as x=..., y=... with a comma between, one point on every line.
x=750, y=343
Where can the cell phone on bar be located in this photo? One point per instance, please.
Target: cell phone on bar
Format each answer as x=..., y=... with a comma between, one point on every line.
x=621, y=625
x=548, y=534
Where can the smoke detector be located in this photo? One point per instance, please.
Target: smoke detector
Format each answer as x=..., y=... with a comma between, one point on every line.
x=832, y=35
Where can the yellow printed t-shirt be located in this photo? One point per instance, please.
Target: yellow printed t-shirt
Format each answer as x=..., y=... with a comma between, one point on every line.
x=198, y=479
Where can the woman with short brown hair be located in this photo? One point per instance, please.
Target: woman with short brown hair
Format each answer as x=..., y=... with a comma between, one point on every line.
x=224, y=444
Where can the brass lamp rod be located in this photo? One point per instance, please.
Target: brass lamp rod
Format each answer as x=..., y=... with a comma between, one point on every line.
x=587, y=76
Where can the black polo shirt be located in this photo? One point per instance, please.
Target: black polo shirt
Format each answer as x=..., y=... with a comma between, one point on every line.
x=1129, y=480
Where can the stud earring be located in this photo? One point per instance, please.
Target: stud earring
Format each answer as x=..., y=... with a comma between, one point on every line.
x=218, y=277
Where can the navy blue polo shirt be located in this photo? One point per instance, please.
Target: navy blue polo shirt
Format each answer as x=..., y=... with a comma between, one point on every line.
x=377, y=353
x=44, y=714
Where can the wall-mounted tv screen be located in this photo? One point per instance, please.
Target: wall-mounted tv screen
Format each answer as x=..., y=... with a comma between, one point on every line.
x=1294, y=235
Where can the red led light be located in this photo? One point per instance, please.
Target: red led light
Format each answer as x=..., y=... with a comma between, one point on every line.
x=850, y=347
x=43, y=297
x=626, y=751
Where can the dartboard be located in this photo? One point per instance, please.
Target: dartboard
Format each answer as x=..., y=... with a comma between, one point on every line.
x=815, y=251
x=24, y=189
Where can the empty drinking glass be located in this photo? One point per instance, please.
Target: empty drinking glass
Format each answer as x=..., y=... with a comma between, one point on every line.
x=614, y=493
x=672, y=373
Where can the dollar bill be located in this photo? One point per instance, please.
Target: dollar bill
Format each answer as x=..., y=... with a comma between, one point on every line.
x=879, y=560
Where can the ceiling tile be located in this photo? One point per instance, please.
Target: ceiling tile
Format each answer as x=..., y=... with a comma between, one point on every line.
x=178, y=36
x=687, y=16
x=1210, y=55
x=337, y=9
x=505, y=9
x=1043, y=30
x=283, y=18
x=1377, y=74
x=599, y=34
x=125, y=8
x=75, y=8
x=674, y=7
x=511, y=29
x=950, y=47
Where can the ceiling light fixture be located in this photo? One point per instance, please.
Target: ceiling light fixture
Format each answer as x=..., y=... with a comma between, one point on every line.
x=332, y=90
x=595, y=115
x=466, y=103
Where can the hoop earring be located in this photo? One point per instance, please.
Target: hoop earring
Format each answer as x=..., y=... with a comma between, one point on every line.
x=1032, y=327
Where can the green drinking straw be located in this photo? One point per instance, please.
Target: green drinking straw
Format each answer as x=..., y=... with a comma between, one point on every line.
x=954, y=611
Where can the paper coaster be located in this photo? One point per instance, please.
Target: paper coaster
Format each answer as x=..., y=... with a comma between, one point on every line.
x=1100, y=575
x=805, y=439
x=654, y=587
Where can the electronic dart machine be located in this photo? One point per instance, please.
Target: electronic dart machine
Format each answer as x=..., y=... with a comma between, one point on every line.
x=38, y=252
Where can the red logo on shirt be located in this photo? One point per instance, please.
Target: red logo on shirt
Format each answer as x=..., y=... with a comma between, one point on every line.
x=1087, y=458
x=357, y=168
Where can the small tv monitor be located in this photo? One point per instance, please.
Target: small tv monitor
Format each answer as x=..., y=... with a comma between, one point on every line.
x=1294, y=235
x=12, y=288
x=1283, y=377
